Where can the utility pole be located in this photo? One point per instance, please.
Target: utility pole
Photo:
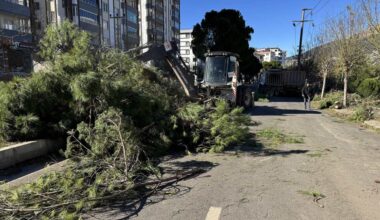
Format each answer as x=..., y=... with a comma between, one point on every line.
x=302, y=21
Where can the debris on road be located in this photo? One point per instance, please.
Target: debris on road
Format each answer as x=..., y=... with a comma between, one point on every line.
x=316, y=196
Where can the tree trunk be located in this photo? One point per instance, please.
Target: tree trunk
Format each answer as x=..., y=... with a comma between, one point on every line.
x=324, y=84
x=345, y=90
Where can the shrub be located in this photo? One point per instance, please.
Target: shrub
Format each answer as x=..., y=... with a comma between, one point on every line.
x=330, y=99
x=370, y=87
x=361, y=114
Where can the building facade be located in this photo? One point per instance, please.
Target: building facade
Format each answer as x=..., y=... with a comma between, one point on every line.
x=271, y=54
x=160, y=21
x=15, y=36
x=122, y=24
x=186, y=50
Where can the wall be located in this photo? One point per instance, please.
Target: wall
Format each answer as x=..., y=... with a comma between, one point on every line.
x=18, y=153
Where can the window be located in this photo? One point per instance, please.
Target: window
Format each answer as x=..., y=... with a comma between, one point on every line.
x=132, y=30
x=38, y=24
x=105, y=25
x=105, y=7
x=231, y=66
x=187, y=52
x=90, y=2
x=132, y=3
x=131, y=16
x=183, y=44
x=74, y=10
x=88, y=15
x=36, y=5
x=188, y=43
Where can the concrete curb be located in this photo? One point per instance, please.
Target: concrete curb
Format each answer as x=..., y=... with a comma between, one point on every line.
x=35, y=175
x=21, y=152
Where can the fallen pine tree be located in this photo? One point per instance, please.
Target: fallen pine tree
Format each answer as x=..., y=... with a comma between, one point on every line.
x=116, y=115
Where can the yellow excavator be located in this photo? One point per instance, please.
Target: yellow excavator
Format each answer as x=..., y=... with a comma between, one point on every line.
x=221, y=75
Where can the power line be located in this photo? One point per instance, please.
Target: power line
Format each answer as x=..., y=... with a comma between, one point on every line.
x=322, y=7
x=314, y=8
x=319, y=2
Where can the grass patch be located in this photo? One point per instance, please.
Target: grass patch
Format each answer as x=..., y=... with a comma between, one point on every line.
x=263, y=100
x=276, y=137
x=315, y=154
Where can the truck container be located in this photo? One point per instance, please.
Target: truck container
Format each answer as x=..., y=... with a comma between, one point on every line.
x=281, y=82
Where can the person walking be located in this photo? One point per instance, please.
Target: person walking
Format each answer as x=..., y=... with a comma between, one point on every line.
x=307, y=94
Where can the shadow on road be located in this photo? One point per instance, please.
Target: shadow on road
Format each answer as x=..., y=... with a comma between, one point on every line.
x=286, y=99
x=127, y=208
x=254, y=147
x=272, y=110
x=260, y=151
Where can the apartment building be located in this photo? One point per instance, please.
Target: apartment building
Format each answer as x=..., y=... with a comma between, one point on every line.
x=132, y=35
x=271, y=54
x=122, y=24
x=160, y=21
x=84, y=13
x=15, y=36
x=185, y=48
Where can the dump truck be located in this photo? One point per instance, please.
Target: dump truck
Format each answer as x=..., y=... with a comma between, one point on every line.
x=281, y=82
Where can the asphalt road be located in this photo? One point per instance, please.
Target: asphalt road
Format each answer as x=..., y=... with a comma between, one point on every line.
x=338, y=162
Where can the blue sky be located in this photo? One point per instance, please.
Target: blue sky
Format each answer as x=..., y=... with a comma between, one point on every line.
x=271, y=19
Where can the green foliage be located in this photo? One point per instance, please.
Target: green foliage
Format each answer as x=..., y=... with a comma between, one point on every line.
x=45, y=96
x=370, y=87
x=212, y=129
x=329, y=99
x=361, y=113
x=228, y=126
x=272, y=65
x=211, y=33
x=275, y=137
x=67, y=47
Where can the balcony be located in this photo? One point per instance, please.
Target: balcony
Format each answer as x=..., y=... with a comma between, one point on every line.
x=156, y=7
x=14, y=9
x=16, y=36
x=160, y=20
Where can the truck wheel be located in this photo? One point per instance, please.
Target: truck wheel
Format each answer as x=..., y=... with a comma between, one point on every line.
x=239, y=96
x=247, y=99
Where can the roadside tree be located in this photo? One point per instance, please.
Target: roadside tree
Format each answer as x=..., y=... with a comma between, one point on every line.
x=346, y=38
x=226, y=31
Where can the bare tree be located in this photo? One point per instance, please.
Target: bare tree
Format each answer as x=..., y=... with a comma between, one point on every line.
x=346, y=31
x=371, y=14
x=324, y=56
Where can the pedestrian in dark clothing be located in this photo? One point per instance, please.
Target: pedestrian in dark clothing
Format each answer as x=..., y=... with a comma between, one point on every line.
x=307, y=94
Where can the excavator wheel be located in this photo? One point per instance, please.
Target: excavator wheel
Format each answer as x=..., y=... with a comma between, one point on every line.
x=247, y=98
